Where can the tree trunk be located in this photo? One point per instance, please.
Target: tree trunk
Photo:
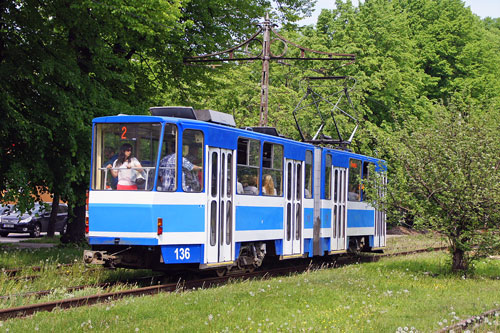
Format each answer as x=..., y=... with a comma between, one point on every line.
x=460, y=262
x=76, y=226
x=53, y=216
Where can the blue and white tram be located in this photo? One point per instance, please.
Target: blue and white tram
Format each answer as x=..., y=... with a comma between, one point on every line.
x=209, y=195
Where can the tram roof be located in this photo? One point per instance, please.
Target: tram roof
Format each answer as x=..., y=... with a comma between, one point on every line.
x=239, y=131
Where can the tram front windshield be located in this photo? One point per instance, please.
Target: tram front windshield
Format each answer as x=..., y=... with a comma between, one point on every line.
x=125, y=154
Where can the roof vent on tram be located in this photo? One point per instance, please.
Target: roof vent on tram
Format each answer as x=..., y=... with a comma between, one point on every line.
x=265, y=130
x=215, y=117
x=188, y=112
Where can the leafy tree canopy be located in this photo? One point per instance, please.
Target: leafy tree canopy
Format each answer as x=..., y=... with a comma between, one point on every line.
x=445, y=176
x=64, y=63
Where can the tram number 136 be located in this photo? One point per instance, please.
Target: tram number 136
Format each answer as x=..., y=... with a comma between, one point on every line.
x=182, y=253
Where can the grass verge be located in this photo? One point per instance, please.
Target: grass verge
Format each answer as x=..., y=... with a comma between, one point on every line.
x=11, y=256
x=415, y=292
x=44, y=240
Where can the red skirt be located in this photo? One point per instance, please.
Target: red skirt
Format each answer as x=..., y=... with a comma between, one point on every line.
x=126, y=187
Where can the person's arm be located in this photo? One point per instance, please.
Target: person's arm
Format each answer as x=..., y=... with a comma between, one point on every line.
x=114, y=173
x=186, y=164
x=137, y=164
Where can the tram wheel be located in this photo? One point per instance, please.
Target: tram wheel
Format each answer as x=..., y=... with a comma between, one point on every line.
x=221, y=272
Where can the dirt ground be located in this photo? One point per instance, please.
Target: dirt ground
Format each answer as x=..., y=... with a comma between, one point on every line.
x=399, y=230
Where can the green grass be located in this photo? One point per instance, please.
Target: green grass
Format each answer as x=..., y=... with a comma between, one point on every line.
x=13, y=257
x=415, y=292
x=413, y=242
x=59, y=279
x=44, y=240
x=53, y=276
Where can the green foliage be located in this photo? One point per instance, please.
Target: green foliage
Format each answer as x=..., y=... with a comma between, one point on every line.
x=445, y=176
x=64, y=63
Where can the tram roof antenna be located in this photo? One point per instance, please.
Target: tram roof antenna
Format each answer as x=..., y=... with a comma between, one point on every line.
x=316, y=99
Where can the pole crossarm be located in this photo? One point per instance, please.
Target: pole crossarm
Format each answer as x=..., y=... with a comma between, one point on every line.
x=242, y=52
x=303, y=50
x=212, y=57
x=215, y=57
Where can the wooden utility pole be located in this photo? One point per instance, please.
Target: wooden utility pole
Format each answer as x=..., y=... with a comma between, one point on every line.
x=264, y=85
x=241, y=52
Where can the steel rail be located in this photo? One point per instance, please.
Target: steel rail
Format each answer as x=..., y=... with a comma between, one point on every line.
x=466, y=323
x=26, y=310
x=15, y=271
x=82, y=287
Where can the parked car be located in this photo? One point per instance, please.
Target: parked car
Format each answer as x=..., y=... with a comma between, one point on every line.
x=33, y=222
x=4, y=209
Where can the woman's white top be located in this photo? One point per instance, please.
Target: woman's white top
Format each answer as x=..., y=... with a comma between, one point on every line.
x=124, y=173
x=265, y=192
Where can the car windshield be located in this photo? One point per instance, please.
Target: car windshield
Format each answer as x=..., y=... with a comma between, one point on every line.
x=5, y=208
x=37, y=210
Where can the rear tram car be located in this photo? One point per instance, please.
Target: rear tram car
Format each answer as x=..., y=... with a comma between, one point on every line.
x=209, y=195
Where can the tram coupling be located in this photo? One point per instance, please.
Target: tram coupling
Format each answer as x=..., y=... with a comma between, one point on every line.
x=99, y=258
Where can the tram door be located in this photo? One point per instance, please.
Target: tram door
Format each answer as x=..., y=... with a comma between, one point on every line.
x=380, y=223
x=220, y=205
x=292, y=241
x=338, y=240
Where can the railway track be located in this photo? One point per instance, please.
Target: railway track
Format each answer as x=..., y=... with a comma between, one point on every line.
x=470, y=322
x=304, y=265
x=151, y=280
x=16, y=271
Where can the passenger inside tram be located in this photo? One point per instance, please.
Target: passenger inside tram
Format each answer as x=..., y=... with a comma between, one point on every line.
x=191, y=177
x=250, y=185
x=239, y=188
x=111, y=156
x=122, y=168
x=353, y=194
x=268, y=185
x=166, y=173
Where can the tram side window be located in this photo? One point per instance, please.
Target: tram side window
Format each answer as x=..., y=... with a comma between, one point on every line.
x=125, y=155
x=272, y=169
x=248, y=166
x=192, y=161
x=328, y=177
x=354, y=180
x=309, y=174
x=167, y=175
